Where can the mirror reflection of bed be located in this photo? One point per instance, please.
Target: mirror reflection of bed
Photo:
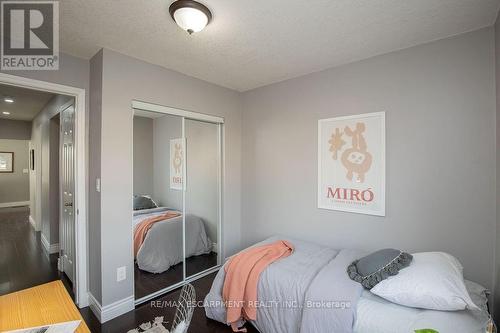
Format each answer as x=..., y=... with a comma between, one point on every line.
x=171, y=210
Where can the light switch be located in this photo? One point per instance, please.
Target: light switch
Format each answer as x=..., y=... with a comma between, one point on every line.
x=98, y=184
x=121, y=273
x=25, y=171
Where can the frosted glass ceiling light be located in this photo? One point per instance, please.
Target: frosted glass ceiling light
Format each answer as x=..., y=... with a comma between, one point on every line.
x=190, y=15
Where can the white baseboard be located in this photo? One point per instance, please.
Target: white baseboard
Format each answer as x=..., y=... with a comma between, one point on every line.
x=113, y=310
x=50, y=248
x=14, y=204
x=33, y=222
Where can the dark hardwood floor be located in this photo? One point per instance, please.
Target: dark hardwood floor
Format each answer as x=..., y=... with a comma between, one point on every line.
x=147, y=283
x=23, y=261
x=25, y=264
x=148, y=311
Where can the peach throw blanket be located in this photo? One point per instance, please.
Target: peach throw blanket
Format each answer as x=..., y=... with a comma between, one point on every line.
x=143, y=227
x=242, y=276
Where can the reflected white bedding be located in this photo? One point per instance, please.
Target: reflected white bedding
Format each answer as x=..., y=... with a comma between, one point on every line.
x=162, y=246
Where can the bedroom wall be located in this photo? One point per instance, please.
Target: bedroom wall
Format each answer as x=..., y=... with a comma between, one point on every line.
x=496, y=307
x=439, y=100
x=94, y=172
x=143, y=155
x=15, y=186
x=165, y=87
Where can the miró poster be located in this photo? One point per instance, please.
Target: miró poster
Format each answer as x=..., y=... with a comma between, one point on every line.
x=177, y=147
x=351, y=163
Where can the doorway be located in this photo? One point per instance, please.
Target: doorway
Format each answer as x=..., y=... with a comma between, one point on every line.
x=68, y=183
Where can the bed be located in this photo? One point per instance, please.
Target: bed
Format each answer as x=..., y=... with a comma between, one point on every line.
x=162, y=246
x=309, y=291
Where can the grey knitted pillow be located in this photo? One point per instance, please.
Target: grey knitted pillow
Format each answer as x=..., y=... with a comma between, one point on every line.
x=143, y=202
x=378, y=266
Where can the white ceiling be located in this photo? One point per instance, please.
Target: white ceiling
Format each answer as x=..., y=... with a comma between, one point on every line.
x=27, y=102
x=251, y=43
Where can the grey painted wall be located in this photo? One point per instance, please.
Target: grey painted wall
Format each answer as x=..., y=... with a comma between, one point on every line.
x=15, y=129
x=165, y=87
x=496, y=308
x=14, y=187
x=439, y=100
x=143, y=156
x=94, y=172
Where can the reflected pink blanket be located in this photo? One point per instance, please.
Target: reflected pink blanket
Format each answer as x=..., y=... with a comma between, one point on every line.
x=143, y=227
x=242, y=276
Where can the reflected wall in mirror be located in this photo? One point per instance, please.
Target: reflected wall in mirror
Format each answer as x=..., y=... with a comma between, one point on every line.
x=158, y=208
x=202, y=141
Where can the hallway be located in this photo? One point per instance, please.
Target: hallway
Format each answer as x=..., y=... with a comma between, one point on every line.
x=23, y=261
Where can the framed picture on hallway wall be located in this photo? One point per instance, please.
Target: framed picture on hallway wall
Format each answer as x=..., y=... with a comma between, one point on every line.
x=6, y=162
x=351, y=163
x=177, y=147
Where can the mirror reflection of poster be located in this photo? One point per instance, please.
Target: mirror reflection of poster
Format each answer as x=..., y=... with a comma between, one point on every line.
x=351, y=163
x=176, y=163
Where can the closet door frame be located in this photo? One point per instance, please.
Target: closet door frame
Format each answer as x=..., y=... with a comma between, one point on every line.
x=219, y=121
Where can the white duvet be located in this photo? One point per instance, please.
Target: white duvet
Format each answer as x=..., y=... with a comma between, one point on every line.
x=315, y=272
x=376, y=315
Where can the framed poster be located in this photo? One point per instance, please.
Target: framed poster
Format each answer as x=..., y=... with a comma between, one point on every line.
x=351, y=163
x=6, y=162
x=176, y=163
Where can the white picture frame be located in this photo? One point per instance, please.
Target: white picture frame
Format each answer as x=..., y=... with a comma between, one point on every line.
x=351, y=163
x=6, y=162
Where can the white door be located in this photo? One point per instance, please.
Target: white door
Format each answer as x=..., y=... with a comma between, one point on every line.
x=67, y=222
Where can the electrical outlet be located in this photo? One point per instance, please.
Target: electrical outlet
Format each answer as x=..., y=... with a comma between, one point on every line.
x=121, y=273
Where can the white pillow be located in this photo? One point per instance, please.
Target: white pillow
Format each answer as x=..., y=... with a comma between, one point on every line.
x=434, y=280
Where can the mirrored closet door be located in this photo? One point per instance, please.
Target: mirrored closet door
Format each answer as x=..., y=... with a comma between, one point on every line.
x=177, y=197
x=202, y=195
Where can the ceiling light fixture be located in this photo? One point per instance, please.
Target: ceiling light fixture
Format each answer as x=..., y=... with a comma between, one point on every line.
x=6, y=113
x=8, y=100
x=190, y=15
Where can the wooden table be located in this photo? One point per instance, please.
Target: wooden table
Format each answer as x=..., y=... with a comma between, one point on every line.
x=48, y=303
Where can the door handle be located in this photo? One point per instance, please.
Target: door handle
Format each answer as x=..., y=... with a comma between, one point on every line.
x=69, y=204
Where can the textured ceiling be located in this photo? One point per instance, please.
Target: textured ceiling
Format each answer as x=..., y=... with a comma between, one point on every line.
x=27, y=102
x=251, y=43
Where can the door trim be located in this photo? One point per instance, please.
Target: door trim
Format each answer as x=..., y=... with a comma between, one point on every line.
x=150, y=107
x=81, y=277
